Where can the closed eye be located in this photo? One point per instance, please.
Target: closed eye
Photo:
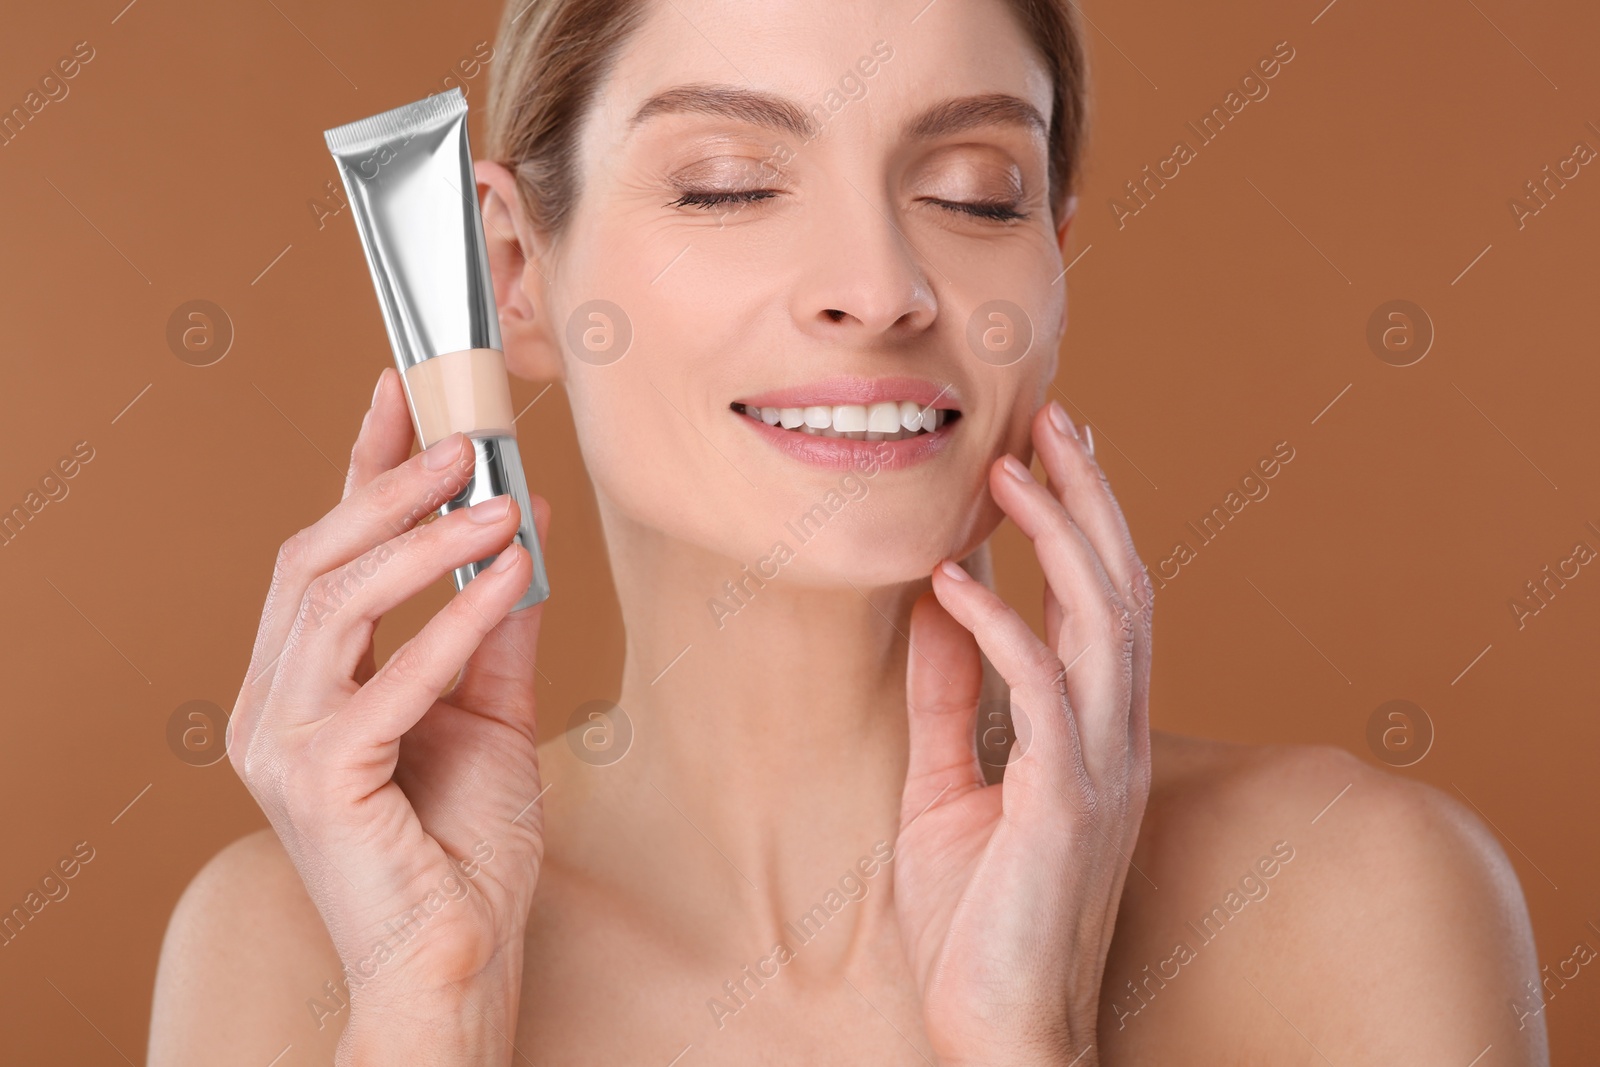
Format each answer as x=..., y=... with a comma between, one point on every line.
x=992, y=210
x=717, y=199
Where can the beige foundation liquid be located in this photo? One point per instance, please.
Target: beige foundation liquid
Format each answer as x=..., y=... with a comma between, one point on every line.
x=466, y=391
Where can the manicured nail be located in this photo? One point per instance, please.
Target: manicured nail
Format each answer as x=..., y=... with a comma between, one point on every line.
x=954, y=571
x=1088, y=438
x=505, y=559
x=376, y=389
x=1058, y=419
x=1015, y=468
x=440, y=453
x=492, y=510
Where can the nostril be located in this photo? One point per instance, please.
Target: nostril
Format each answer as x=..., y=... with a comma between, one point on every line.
x=834, y=314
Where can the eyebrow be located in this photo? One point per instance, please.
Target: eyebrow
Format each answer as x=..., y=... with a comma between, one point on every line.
x=954, y=115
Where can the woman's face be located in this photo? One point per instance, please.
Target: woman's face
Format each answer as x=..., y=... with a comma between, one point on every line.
x=812, y=206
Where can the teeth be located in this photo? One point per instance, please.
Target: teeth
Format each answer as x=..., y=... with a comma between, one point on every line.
x=888, y=420
x=884, y=417
x=910, y=415
x=849, y=418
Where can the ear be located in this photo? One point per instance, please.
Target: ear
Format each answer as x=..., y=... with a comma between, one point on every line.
x=532, y=345
x=1067, y=215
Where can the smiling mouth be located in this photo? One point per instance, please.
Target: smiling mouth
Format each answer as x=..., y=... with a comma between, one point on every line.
x=889, y=420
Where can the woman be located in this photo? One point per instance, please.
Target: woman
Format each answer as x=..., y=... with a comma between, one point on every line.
x=784, y=848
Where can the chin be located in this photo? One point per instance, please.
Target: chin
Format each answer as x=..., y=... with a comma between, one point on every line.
x=866, y=550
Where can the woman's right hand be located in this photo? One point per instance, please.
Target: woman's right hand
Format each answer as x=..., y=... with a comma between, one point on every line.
x=410, y=816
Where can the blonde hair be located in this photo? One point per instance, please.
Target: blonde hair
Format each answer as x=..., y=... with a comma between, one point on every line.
x=552, y=55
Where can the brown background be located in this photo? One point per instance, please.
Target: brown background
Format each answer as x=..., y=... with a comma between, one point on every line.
x=1221, y=320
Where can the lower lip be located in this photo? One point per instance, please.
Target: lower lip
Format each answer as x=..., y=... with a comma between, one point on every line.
x=846, y=453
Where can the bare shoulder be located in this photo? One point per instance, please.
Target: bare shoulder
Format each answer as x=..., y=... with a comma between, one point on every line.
x=1292, y=904
x=244, y=966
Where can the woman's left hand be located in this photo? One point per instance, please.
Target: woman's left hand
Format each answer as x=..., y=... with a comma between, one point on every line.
x=1007, y=894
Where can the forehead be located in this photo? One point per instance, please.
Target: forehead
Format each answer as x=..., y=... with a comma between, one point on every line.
x=817, y=53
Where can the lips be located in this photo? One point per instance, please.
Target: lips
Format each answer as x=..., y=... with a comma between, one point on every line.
x=855, y=423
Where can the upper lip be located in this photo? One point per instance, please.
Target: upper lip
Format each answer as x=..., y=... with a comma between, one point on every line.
x=849, y=389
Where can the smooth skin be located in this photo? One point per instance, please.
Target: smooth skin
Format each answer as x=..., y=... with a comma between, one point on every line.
x=810, y=758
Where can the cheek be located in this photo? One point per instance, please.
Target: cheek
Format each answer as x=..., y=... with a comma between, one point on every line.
x=646, y=427
x=634, y=444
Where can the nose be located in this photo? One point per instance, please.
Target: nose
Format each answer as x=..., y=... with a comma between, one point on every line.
x=860, y=278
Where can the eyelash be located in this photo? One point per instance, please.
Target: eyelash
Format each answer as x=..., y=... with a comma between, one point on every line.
x=709, y=200
x=990, y=210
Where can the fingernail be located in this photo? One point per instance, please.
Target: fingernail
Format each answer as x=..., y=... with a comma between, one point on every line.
x=440, y=453
x=954, y=572
x=1058, y=419
x=376, y=389
x=492, y=510
x=1015, y=468
x=504, y=560
x=1088, y=438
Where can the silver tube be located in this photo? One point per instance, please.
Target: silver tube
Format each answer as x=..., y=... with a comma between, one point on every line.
x=408, y=175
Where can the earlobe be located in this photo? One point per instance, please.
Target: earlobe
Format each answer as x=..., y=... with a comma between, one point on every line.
x=531, y=348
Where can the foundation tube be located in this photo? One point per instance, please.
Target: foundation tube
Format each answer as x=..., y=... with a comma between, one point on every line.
x=408, y=175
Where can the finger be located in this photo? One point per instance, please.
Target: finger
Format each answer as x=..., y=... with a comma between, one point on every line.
x=386, y=507
x=342, y=608
x=1049, y=769
x=1079, y=482
x=944, y=678
x=384, y=440
x=406, y=686
x=383, y=443
x=498, y=678
x=1094, y=641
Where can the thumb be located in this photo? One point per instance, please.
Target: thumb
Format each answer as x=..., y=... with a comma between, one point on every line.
x=498, y=677
x=944, y=676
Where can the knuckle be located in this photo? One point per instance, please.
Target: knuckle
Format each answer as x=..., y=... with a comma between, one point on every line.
x=326, y=595
x=294, y=557
x=1120, y=620
x=255, y=763
x=1047, y=666
x=385, y=491
x=1100, y=472
x=331, y=592
x=322, y=587
x=406, y=666
x=1144, y=589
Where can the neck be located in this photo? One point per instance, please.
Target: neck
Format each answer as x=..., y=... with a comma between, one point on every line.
x=771, y=728
x=772, y=712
